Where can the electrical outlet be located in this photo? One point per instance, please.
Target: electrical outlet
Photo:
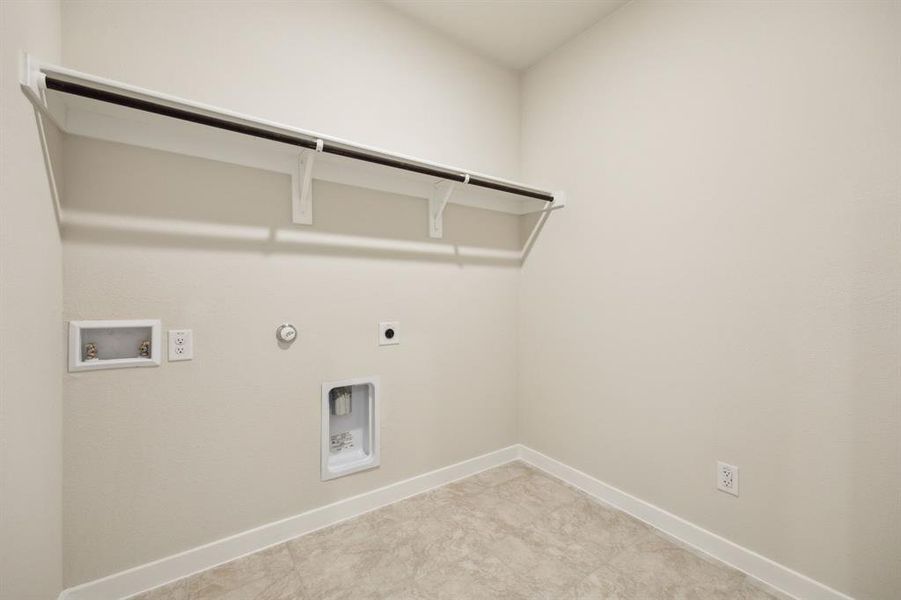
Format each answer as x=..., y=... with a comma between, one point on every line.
x=389, y=333
x=181, y=344
x=727, y=478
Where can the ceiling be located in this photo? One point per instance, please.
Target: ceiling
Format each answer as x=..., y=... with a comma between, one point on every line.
x=514, y=33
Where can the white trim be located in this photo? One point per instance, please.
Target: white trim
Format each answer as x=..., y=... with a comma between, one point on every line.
x=770, y=573
x=157, y=573
x=368, y=460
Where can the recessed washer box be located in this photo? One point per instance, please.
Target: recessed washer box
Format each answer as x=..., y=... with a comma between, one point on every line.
x=95, y=345
x=350, y=426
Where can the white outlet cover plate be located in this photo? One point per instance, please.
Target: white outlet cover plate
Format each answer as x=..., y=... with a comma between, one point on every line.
x=727, y=478
x=384, y=326
x=181, y=344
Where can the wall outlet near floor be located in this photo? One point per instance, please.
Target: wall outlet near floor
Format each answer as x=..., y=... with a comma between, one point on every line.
x=727, y=478
x=181, y=344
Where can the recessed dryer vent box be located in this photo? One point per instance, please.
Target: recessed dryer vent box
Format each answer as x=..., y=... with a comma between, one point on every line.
x=350, y=426
x=97, y=345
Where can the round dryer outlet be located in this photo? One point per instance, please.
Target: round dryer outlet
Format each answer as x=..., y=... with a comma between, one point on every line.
x=389, y=333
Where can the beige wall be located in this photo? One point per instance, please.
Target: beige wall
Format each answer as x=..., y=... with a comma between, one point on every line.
x=724, y=284
x=161, y=460
x=30, y=330
x=353, y=69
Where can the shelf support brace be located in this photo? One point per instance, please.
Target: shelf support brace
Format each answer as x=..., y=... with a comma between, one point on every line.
x=302, y=187
x=33, y=82
x=34, y=85
x=441, y=193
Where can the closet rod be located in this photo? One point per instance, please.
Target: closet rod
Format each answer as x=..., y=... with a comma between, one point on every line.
x=292, y=139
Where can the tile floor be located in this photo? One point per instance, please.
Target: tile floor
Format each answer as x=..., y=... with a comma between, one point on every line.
x=510, y=532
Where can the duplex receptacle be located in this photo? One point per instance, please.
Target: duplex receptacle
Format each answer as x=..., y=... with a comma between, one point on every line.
x=727, y=478
x=181, y=344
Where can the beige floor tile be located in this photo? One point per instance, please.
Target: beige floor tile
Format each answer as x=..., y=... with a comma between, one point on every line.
x=673, y=572
x=288, y=587
x=475, y=577
x=422, y=544
x=536, y=493
x=172, y=591
x=271, y=564
x=518, y=501
x=362, y=552
x=573, y=534
x=420, y=505
x=470, y=527
x=510, y=514
x=605, y=583
x=590, y=534
x=537, y=573
x=507, y=533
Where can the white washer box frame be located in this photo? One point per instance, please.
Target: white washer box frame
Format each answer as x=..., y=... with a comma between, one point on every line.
x=373, y=460
x=75, y=345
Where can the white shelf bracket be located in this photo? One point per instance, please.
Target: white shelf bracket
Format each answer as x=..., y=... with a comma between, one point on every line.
x=302, y=187
x=34, y=84
x=33, y=81
x=441, y=194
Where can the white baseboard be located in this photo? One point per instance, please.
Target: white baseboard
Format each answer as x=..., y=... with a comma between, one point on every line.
x=157, y=573
x=770, y=573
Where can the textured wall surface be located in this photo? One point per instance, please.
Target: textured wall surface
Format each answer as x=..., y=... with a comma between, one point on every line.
x=161, y=460
x=31, y=340
x=724, y=284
